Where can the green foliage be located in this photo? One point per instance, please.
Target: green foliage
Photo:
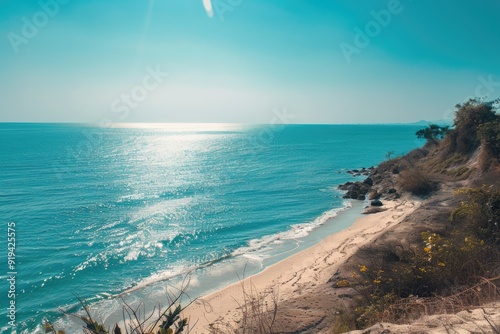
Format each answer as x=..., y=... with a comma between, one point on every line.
x=436, y=267
x=344, y=322
x=374, y=310
x=468, y=119
x=173, y=320
x=440, y=265
x=433, y=131
x=137, y=322
x=481, y=213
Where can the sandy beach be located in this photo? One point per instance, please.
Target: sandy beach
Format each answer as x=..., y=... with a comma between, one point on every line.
x=298, y=275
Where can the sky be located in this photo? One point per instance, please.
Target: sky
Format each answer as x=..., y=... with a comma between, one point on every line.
x=245, y=61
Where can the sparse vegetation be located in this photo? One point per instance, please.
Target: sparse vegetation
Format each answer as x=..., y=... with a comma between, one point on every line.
x=136, y=320
x=417, y=182
x=448, y=269
x=445, y=272
x=480, y=213
x=258, y=313
x=389, y=154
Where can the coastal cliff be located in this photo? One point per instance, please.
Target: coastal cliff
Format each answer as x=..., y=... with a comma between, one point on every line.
x=443, y=257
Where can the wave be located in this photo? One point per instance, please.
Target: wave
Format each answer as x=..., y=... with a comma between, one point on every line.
x=256, y=250
x=133, y=246
x=296, y=231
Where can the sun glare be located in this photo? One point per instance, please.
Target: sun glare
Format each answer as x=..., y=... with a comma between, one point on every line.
x=208, y=7
x=182, y=127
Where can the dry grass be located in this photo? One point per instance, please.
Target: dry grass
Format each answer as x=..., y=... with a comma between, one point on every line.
x=345, y=321
x=406, y=310
x=439, y=165
x=136, y=320
x=417, y=182
x=447, y=271
x=258, y=313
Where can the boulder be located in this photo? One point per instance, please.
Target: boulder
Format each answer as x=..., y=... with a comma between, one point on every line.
x=345, y=186
x=353, y=194
x=361, y=197
x=368, y=181
x=376, y=202
x=391, y=191
x=373, y=210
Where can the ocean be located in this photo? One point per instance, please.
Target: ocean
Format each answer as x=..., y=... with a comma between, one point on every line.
x=130, y=210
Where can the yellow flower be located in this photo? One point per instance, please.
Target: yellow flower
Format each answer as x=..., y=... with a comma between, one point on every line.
x=343, y=283
x=422, y=270
x=363, y=269
x=441, y=264
x=427, y=249
x=376, y=281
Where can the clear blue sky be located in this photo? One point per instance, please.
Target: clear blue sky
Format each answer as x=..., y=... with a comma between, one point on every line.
x=249, y=58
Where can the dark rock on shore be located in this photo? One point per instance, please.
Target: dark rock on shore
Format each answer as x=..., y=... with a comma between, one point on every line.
x=380, y=183
x=368, y=181
x=359, y=172
x=359, y=189
x=372, y=210
x=376, y=202
x=345, y=186
x=355, y=190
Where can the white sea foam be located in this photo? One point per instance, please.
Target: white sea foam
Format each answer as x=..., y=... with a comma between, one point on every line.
x=264, y=244
x=163, y=275
x=257, y=251
x=131, y=197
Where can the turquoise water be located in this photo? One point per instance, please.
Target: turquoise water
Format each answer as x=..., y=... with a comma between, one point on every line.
x=100, y=212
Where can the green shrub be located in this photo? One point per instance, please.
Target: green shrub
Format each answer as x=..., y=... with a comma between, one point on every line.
x=446, y=270
x=159, y=321
x=468, y=119
x=480, y=212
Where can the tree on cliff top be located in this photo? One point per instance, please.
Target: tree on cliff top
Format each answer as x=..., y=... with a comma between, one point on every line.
x=433, y=132
x=469, y=117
